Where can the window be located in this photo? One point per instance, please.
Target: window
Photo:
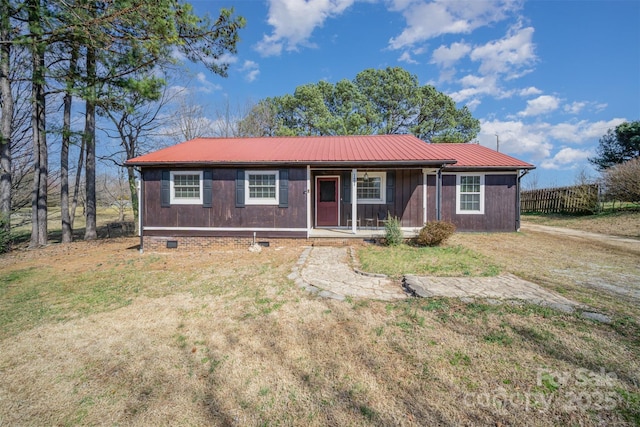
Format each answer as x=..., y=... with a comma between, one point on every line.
x=371, y=187
x=186, y=188
x=261, y=187
x=470, y=194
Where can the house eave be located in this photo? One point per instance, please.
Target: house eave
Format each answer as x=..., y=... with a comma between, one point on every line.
x=456, y=168
x=317, y=163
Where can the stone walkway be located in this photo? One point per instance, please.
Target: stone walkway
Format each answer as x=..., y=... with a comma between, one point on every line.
x=503, y=287
x=329, y=272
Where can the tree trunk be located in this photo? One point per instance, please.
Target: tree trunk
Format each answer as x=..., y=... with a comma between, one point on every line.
x=76, y=186
x=6, y=119
x=40, y=165
x=67, y=231
x=91, y=232
x=67, y=223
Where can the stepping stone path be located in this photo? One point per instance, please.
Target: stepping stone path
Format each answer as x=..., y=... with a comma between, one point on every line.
x=332, y=272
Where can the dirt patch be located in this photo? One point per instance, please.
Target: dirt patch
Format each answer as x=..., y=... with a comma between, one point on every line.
x=621, y=223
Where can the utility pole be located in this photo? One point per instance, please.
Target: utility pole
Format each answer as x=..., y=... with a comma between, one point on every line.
x=497, y=143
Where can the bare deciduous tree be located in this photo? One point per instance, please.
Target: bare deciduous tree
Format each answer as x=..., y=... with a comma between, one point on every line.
x=189, y=121
x=113, y=192
x=622, y=182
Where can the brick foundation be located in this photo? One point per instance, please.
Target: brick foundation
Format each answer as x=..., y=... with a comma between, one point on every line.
x=157, y=244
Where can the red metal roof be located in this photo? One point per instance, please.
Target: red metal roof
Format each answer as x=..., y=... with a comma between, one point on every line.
x=330, y=150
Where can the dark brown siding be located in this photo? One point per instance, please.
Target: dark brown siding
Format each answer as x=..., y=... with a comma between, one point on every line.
x=499, y=204
x=406, y=205
x=224, y=212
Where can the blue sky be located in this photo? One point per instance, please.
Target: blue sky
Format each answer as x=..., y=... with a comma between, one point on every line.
x=549, y=77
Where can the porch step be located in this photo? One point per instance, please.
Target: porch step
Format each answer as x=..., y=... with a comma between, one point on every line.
x=332, y=242
x=340, y=242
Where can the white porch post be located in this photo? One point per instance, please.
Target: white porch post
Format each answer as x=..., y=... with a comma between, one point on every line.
x=354, y=200
x=424, y=196
x=438, y=193
x=308, y=194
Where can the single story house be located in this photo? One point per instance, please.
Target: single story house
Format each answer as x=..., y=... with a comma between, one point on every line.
x=235, y=190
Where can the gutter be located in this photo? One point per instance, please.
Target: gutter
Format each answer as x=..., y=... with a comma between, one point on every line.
x=139, y=188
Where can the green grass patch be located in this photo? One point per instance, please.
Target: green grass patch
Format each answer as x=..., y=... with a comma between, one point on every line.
x=448, y=261
x=459, y=358
x=499, y=337
x=630, y=407
x=29, y=297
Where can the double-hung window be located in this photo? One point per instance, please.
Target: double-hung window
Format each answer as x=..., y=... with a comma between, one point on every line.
x=186, y=188
x=261, y=187
x=371, y=187
x=470, y=194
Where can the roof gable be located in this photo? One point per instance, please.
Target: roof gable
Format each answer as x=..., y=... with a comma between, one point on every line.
x=329, y=150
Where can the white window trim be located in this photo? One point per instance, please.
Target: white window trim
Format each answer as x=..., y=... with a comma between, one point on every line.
x=383, y=188
x=183, y=200
x=248, y=200
x=468, y=212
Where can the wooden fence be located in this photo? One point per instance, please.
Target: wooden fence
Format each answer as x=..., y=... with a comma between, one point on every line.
x=578, y=199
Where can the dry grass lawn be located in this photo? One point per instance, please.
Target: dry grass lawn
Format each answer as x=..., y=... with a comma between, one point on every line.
x=96, y=333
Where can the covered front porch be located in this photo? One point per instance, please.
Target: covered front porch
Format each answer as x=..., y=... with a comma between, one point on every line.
x=359, y=201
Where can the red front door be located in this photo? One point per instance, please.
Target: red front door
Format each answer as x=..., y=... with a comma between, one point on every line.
x=327, y=201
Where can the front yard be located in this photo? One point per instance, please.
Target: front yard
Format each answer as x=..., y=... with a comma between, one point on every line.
x=95, y=333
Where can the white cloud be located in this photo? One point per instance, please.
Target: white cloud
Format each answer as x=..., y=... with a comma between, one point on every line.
x=574, y=107
x=428, y=19
x=406, y=57
x=176, y=90
x=205, y=85
x=539, y=140
x=540, y=105
x=566, y=158
x=226, y=58
x=506, y=58
x=251, y=69
x=293, y=22
x=577, y=107
x=252, y=75
x=517, y=137
x=508, y=55
x=473, y=104
x=445, y=56
x=583, y=131
x=600, y=107
x=177, y=54
x=529, y=91
x=474, y=86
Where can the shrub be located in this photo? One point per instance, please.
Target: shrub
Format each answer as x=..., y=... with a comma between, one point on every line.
x=434, y=233
x=393, y=232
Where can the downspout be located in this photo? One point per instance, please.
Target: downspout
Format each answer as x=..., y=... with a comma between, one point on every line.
x=140, y=189
x=520, y=176
x=354, y=200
